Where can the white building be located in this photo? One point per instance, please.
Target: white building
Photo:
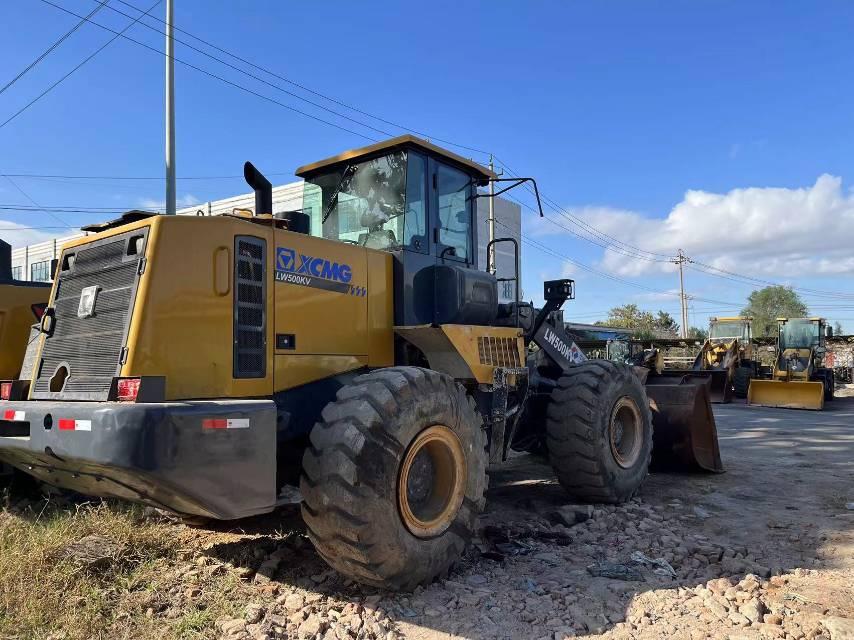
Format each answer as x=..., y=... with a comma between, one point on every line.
x=32, y=262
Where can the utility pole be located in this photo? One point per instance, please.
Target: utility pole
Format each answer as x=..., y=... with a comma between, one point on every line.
x=170, y=113
x=490, y=254
x=681, y=259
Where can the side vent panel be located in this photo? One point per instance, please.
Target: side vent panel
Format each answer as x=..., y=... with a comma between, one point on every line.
x=250, y=314
x=498, y=352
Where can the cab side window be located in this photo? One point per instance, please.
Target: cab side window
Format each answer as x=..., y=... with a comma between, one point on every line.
x=454, y=208
x=415, y=216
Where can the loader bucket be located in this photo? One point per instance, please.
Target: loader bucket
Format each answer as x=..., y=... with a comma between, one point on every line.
x=720, y=391
x=794, y=394
x=684, y=432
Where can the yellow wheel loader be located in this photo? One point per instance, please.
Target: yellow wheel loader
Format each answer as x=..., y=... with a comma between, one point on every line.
x=352, y=348
x=799, y=379
x=726, y=359
x=728, y=354
x=21, y=304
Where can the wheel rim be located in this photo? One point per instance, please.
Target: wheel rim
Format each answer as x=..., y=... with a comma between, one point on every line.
x=626, y=432
x=432, y=481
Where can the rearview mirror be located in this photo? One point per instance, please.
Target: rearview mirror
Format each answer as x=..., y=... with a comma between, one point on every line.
x=828, y=331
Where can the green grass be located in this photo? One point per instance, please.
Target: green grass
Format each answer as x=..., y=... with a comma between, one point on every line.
x=135, y=595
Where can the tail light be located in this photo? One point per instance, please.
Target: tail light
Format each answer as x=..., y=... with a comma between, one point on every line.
x=5, y=390
x=38, y=310
x=127, y=389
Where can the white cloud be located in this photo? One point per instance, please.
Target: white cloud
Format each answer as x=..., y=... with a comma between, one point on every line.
x=655, y=296
x=19, y=235
x=151, y=204
x=760, y=231
x=568, y=270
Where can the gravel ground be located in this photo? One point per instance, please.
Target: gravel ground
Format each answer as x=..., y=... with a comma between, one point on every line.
x=765, y=550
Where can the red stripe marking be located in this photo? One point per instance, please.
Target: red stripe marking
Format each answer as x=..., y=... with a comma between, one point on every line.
x=66, y=425
x=9, y=415
x=215, y=423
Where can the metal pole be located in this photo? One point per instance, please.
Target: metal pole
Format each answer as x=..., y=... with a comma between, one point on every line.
x=490, y=258
x=170, y=113
x=680, y=258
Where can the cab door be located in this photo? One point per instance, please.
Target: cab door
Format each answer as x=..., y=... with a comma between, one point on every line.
x=451, y=214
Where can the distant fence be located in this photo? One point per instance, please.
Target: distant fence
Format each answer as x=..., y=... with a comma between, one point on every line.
x=679, y=353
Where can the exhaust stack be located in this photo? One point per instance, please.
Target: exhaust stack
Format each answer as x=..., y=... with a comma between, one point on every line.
x=5, y=261
x=263, y=189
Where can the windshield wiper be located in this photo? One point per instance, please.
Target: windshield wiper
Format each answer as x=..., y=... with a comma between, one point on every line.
x=348, y=170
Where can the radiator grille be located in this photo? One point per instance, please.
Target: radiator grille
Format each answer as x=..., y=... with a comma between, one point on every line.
x=498, y=352
x=250, y=318
x=91, y=347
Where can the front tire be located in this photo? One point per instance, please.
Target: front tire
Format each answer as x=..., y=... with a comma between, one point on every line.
x=599, y=432
x=741, y=381
x=829, y=385
x=395, y=477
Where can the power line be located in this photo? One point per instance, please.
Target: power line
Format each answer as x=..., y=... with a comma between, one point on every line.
x=303, y=87
x=85, y=60
x=27, y=196
x=578, y=235
x=612, y=241
x=78, y=177
x=736, y=277
x=702, y=267
x=215, y=76
x=34, y=228
x=253, y=76
x=116, y=209
x=47, y=51
x=564, y=258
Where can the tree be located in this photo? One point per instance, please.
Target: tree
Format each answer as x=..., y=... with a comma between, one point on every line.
x=837, y=328
x=644, y=324
x=696, y=333
x=664, y=323
x=770, y=303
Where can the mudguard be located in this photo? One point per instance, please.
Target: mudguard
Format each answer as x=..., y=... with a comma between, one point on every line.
x=209, y=458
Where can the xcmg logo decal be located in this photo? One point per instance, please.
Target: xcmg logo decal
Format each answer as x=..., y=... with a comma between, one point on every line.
x=298, y=268
x=294, y=262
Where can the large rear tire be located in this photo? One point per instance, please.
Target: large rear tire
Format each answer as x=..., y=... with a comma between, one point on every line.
x=829, y=385
x=741, y=381
x=395, y=477
x=599, y=432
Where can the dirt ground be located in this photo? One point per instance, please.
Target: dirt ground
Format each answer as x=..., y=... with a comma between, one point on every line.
x=764, y=550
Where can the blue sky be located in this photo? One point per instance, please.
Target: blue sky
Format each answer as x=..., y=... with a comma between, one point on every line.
x=723, y=128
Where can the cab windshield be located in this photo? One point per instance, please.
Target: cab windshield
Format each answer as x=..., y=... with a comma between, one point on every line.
x=799, y=334
x=365, y=203
x=734, y=329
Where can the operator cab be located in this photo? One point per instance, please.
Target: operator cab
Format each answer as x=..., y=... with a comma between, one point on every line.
x=721, y=329
x=418, y=202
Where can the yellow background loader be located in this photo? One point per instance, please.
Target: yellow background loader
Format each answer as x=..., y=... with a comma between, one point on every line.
x=728, y=354
x=21, y=304
x=800, y=381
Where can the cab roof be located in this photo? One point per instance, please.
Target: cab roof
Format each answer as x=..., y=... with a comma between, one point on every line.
x=481, y=173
